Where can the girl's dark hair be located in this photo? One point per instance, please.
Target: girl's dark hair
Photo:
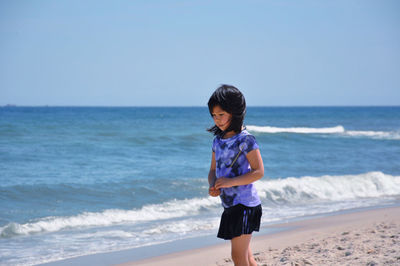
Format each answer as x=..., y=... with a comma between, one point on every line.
x=231, y=100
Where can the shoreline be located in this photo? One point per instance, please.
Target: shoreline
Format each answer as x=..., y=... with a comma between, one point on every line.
x=329, y=240
x=272, y=241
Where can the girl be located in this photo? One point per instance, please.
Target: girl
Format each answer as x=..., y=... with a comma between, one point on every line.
x=236, y=163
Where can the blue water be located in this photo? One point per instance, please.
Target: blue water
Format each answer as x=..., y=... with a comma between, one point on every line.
x=83, y=180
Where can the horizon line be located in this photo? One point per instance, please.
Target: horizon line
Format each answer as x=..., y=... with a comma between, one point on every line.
x=185, y=106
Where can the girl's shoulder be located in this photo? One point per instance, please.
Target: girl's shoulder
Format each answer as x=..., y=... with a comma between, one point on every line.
x=244, y=135
x=247, y=142
x=244, y=132
x=243, y=141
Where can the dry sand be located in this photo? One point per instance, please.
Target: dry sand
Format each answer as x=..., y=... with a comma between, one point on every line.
x=369, y=237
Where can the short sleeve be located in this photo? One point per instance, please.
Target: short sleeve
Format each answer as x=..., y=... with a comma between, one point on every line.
x=249, y=143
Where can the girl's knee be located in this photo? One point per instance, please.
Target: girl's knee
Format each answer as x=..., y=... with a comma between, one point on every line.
x=240, y=261
x=252, y=261
x=240, y=257
x=240, y=250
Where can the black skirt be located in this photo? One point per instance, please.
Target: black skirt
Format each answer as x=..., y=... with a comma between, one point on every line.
x=239, y=220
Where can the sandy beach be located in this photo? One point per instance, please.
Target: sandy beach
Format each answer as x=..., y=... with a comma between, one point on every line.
x=113, y=114
x=368, y=237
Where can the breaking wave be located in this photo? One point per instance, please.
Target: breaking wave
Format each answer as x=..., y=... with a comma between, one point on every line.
x=393, y=135
x=286, y=191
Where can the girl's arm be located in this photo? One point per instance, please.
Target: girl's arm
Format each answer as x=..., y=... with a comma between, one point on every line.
x=256, y=172
x=211, y=173
x=212, y=177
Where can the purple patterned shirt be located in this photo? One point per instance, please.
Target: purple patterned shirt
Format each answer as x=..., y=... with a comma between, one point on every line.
x=226, y=151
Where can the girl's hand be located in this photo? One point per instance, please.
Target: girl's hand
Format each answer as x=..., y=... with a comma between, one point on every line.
x=223, y=182
x=213, y=192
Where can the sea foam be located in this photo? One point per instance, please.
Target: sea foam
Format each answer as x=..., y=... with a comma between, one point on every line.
x=301, y=130
x=286, y=192
x=153, y=212
x=329, y=188
x=340, y=130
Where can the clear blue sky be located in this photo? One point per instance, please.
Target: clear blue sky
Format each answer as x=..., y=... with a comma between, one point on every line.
x=151, y=53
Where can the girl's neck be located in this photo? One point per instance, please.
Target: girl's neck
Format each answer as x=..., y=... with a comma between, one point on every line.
x=230, y=134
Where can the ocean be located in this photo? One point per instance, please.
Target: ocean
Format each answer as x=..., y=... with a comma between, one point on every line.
x=85, y=180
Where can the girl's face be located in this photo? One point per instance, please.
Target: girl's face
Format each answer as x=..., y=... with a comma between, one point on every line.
x=222, y=119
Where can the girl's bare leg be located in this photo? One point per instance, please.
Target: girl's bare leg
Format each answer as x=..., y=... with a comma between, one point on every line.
x=252, y=261
x=241, y=253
